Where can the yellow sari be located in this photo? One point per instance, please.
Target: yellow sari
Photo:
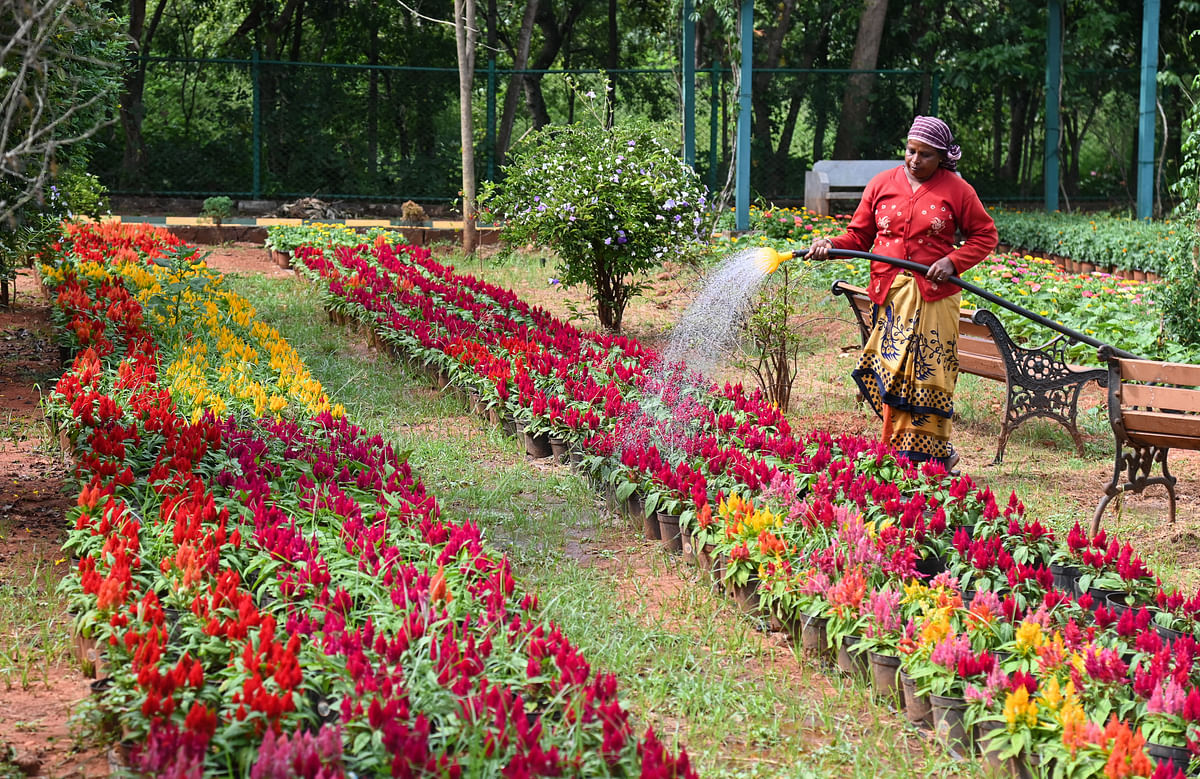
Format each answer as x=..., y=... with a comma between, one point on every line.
x=910, y=362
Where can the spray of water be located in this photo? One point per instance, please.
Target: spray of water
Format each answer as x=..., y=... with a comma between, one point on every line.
x=705, y=336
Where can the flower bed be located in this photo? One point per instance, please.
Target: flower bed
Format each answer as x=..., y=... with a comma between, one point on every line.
x=1071, y=654
x=1106, y=242
x=272, y=591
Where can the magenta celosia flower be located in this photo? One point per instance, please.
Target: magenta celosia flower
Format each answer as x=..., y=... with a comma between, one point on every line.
x=1168, y=698
x=948, y=651
x=985, y=695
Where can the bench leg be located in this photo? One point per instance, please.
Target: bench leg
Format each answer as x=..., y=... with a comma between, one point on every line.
x=1057, y=402
x=1100, y=511
x=1137, y=464
x=1003, y=442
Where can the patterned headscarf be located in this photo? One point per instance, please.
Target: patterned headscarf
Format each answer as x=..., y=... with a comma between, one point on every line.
x=936, y=133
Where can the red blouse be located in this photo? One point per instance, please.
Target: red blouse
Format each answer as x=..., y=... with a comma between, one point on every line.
x=894, y=221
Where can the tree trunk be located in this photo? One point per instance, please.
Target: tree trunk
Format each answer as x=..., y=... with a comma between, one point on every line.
x=554, y=35
x=132, y=110
x=997, y=130
x=465, y=34
x=761, y=98
x=520, y=61
x=1018, y=103
x=858, y=88
x=373, y=104
x=614, y=43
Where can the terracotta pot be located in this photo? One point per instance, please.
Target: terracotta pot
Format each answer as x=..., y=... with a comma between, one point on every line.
x=718, y=573
x=917, y=708
x=537, y=446
x=1139, y=275
x=669, y=532
x=1086, y=267
x=559, y=449
x=650, y=526
x=87, y=653
x=746, y=596
x=850, y=660
x=1178, y=757
x=611, y=504
x=689, y=547
x=814, y=640
x=948, y=725
x=884, y=670
x=1017, y=767
x=1064, y=577
x=634, y=508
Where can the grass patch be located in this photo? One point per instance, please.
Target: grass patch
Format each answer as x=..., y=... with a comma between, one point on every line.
x=34, y=623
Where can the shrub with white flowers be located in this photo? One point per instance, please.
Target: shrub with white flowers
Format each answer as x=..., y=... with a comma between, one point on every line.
x=613, y=203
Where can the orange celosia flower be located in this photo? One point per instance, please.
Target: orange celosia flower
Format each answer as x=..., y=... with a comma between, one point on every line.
x=1127, y=758
x=770, y=544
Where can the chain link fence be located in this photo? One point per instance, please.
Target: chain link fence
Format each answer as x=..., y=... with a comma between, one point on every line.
x=259, y=129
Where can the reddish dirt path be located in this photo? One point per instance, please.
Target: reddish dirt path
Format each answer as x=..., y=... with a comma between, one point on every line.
x=35, y=492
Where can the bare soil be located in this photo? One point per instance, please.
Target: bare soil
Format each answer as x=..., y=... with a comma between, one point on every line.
x=35, y=493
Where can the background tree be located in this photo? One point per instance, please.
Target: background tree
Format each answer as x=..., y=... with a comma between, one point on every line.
x=612, y=202
x=465, y=34
x=59, y=73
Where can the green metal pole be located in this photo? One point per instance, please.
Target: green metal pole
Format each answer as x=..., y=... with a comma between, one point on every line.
x=491, y=118
x=688, y=74
x=714, y=125
x=935, y=92
x=1053, y=87
x=741, y=155
x=1146, y=104
x=256, y=133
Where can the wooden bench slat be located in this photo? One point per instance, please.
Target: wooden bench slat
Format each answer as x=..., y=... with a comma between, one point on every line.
x=1161, y=372
x=1164, y=440
x=1159, y=397
x=980, y=346
x=1161, y=422
x=982, y=366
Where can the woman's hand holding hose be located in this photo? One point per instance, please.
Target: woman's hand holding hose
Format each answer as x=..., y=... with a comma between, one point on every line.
x=819, y=249
x=940, y=270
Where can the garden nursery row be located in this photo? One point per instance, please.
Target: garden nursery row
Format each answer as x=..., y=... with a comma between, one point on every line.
x=272, y=591
x=270, y=586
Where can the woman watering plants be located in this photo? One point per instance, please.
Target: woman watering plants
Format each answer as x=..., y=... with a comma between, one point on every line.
x=909, y=366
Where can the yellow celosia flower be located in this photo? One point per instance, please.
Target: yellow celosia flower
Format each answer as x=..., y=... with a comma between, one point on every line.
x=936, y=628
x=1029, y=637
x=1019, y=710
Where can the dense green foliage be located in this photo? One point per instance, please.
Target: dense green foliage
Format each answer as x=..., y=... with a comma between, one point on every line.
x=1181, y=297
x=1104, y=241
x=387, y=124
x=613, y=203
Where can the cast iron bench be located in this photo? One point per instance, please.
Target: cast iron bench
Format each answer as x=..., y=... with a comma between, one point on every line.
x=1153, y=407
x=1040, y=382
x=840, y=180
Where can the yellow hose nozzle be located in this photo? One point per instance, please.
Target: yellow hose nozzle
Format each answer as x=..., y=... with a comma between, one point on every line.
x=770, y=260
